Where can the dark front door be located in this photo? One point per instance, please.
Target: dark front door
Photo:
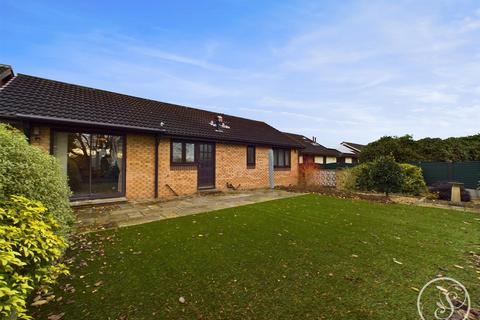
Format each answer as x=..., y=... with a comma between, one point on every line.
x=206, y=165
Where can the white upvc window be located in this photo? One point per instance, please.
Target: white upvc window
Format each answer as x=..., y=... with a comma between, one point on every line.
x=331, y=160
x=319, y=160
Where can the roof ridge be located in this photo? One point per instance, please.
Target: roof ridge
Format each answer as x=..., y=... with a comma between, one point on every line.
x=7, y=83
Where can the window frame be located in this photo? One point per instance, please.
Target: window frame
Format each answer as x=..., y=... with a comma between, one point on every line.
x=252, y=164
x=183, y=161
x=285, y=152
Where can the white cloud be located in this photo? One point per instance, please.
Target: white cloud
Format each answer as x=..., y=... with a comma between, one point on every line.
x=430, y=96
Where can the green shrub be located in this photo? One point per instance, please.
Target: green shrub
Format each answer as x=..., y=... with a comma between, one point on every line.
x=350, y=178
x=413, y=182
x=343, y=179
x=28, y=171
x=382, y=175
x=366, y=177
x=364, y=180
x=29, y=250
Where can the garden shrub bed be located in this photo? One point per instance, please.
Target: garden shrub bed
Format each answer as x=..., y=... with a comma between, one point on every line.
x=337, y=193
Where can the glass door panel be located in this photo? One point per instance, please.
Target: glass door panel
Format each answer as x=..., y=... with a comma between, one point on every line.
x=73, y=152
x=107, y=164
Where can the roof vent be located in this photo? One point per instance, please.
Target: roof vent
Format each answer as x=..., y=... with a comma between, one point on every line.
x=219, y=124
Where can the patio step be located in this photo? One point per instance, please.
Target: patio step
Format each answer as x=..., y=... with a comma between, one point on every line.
x=81, y=203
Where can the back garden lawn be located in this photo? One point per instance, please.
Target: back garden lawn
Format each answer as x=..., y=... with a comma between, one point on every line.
x=308, y=257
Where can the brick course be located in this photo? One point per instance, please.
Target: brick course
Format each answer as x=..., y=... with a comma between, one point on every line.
x=286, y=177
x=231, y=167
x=140, y=166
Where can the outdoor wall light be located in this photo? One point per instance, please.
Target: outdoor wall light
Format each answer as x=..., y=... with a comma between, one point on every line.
x=36, y=133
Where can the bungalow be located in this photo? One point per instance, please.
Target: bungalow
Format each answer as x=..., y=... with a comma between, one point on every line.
x=347, y=157
x=113, y=145
x=312, y=151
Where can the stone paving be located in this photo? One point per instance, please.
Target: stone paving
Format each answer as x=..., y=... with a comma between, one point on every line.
x=128, y=213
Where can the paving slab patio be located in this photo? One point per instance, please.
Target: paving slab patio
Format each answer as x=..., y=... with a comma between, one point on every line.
x=132, y=213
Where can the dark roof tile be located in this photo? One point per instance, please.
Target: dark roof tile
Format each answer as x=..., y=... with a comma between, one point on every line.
x=355, y=147
x=312, y=147
x=37, y=98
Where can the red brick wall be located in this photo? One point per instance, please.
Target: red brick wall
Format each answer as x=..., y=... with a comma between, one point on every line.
x=140, y=166
x=285, y=177
x=231, y=167
x=183, y=180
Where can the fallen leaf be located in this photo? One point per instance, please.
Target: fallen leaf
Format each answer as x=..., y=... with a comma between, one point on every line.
x=39, y=303
x=56, y=316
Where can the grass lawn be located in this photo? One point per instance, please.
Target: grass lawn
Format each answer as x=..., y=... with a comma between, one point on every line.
x=308, y=257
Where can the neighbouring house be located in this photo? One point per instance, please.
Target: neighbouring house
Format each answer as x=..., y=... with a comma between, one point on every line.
x=113, y=145
x=313, y=152
x=356, y=148
x=347, y=157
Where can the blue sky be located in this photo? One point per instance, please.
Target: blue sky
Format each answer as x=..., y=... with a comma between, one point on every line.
x=337, y=70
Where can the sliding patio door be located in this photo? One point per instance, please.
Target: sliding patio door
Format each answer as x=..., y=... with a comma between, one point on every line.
x=94, y=163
